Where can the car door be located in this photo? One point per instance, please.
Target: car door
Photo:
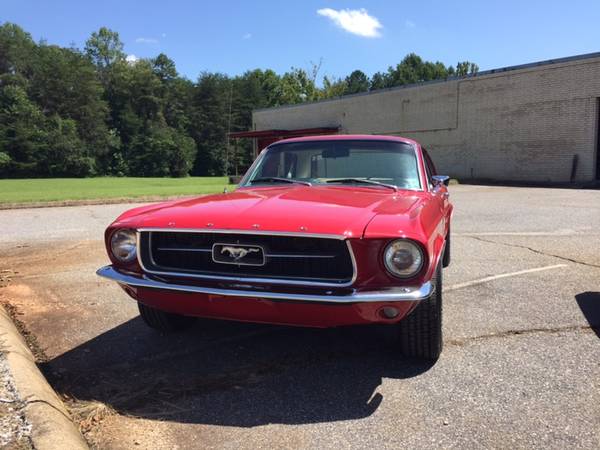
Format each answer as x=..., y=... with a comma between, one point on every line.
x=439, y=192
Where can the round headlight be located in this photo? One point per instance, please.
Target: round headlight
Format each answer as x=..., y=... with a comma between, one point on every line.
x=403, y=258
x=123, y=244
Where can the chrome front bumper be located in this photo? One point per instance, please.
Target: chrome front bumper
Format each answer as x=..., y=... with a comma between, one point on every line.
x=399, y=294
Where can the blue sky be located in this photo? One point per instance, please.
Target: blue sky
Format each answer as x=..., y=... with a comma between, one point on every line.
x=233, y=36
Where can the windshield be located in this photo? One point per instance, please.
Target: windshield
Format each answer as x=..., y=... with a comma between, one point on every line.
x=343, y=162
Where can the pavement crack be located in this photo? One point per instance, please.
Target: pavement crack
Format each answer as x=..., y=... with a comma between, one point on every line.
x=534, y=250
x=529, y=331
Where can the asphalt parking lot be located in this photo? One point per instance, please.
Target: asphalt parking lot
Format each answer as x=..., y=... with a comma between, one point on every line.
x=520, y=367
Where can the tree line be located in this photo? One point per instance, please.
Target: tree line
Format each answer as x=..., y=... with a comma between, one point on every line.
x=69, y=112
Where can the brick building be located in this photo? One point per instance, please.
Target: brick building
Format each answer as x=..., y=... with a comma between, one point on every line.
x=532, y=123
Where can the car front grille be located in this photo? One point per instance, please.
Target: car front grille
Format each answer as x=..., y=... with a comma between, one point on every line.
x=262, y=257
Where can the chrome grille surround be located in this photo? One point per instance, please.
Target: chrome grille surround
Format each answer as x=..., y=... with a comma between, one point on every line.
x=248, y=279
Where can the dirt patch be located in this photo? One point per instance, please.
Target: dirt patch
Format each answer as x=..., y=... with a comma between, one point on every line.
x=30, y=339
x=123, y=433
x=7, y=290
x=5, y=277
x=29, y=274
x=24, y=261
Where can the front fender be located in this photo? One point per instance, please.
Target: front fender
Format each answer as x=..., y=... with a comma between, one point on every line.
x=426, y=224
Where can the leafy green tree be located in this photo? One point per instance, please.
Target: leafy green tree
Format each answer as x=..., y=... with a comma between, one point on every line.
x=147, y=152
x=296, y=87
x=65, y=83
x=412, y=69
x=176, y=93
x=379, y=80
x=356, y=82
x=466, y=68
x=36, y=145
x=434, y=71
x=17, y=51
x=145, y=91
x=333, y=87
x=178, y=104
x=248, y=92
x=4, y=160
x=63, y=153
x=183, y=154
x=268, y=81
x=164, y=68
x=22, y=132
x=210, y=120
x=134, y=96
x=161, y=151
x=407, y=71
x=104, y=48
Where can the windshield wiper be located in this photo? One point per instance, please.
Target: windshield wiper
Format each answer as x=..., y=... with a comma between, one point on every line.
x=280, y=180
x=362, y=180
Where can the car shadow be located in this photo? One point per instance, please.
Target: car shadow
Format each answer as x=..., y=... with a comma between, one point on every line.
x=233, y=374
x=589, y=303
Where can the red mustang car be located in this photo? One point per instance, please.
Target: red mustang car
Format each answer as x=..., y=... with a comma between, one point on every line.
x=322, y=231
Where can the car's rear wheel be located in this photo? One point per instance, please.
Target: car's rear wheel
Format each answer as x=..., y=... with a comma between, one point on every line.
x=420, y=333
x=164, y=321
x=447, y=258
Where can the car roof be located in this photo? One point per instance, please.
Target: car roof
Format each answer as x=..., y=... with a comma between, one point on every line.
x=347, y=137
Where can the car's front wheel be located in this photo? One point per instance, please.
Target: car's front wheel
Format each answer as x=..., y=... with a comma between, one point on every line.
x=164, y=321
x=420, y=333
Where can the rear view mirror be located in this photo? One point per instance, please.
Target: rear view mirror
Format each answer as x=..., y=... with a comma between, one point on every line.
x=335, y=152
x=440, y=180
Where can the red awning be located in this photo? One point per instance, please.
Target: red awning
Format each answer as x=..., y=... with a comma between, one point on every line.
x=283, y=133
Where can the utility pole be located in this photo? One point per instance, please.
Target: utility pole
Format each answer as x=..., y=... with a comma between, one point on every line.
x=235, y=157
x=228, y=130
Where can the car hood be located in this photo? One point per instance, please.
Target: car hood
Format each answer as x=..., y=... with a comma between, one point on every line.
x=339, y=210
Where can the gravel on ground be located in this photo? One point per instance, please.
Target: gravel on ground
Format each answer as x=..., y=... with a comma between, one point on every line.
x=14, y=429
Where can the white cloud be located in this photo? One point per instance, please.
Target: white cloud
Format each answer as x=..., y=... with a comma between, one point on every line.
x=355, y=21
x=247, y=36
x=131, y=59
x=410, y=24
x=143, y=40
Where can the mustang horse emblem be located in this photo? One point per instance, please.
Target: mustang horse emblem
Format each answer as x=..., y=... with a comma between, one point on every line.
x=238, y=253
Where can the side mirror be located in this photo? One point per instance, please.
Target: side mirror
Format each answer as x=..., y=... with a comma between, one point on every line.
x=439, y=180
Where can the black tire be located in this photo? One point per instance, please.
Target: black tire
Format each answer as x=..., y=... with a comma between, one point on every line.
x=164, y=321
x=420, y=334
x=446, y=258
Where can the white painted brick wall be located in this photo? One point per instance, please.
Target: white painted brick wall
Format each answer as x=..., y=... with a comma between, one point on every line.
x=520, y=125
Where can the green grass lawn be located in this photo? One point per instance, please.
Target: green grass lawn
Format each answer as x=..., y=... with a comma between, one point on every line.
x=61, y=189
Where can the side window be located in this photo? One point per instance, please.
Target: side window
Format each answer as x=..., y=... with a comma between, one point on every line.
x=429, y=168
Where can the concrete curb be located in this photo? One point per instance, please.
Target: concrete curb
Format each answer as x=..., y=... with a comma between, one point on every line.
x=52, y=428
